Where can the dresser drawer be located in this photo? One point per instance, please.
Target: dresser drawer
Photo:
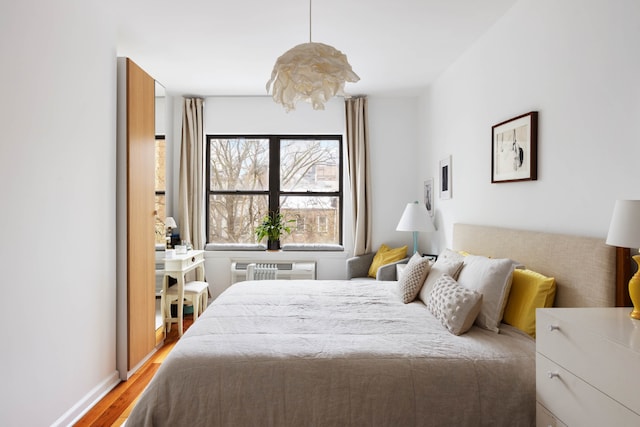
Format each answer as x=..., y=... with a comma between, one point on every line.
x=576, y=403
x=581, y=349
x=544, y=418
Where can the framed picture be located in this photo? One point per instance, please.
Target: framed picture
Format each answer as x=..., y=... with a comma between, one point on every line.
x=431, y=257
x=445, y=178
x=428, y=195
x=514, y=149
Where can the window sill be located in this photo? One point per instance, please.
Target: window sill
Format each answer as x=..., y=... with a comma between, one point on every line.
x=234, y=247
x=290, y=247
x=314, y=247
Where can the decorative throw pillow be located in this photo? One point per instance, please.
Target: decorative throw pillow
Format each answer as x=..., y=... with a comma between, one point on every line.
x=386, y=255
x=413, y=277
x=529, y=290
x=452, y=256
x=491, y=278
x=448, y=262
x=456, y=307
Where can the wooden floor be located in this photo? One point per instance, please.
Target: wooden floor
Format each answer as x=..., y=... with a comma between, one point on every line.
x=115, y=407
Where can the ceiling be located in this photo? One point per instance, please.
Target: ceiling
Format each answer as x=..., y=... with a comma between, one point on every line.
x=228, y=48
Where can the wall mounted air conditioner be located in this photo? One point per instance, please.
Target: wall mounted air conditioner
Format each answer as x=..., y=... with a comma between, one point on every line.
x=259, y=270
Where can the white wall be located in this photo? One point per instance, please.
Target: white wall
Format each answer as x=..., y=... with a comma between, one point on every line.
x=395, y=166
x=393, y=137
x=576, y=63
x=261, y=115
x=57, y=185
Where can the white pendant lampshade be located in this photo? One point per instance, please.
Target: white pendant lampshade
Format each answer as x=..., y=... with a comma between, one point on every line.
x=310, y=72
x=624, y=232
x=415, y=218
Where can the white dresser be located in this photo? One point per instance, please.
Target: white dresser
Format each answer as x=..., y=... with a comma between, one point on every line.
x=587, y=367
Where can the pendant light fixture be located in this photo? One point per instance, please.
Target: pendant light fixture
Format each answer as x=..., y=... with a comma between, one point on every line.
x=311, y=72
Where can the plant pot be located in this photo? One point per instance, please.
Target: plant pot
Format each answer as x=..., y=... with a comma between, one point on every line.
x=273, y=245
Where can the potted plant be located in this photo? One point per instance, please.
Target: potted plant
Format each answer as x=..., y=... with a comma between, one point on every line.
x=272, y=226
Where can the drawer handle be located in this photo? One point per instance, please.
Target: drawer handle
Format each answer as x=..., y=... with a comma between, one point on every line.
x=553, y=375
x=554, y=328
x=193, y=259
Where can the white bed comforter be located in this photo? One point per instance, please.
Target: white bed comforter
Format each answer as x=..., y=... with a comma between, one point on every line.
x=337, y=353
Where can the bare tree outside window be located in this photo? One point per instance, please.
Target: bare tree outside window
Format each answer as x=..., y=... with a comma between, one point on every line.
x=239, y=185
x=160, y=189
x=249, y=177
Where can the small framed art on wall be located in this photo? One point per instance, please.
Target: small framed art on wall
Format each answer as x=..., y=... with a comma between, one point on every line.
x=514, y=149
x=445, y=178
x=428, y=195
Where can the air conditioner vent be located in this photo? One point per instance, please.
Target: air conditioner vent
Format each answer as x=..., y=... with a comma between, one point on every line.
x=278, y=265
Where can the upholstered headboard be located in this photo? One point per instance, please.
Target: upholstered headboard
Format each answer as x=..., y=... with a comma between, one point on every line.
x=584, y=267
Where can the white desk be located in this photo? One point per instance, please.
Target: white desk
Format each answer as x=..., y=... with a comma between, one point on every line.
x=177, y=267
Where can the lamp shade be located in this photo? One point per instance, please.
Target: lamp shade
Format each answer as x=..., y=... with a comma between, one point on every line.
x=169, y=222
x=624, y=230
x=311, y=72
x=415, y=218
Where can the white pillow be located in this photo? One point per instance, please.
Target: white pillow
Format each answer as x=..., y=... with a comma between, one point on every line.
x=491, y=278
x=448, y=262
x=413, y=277
x=456, y=307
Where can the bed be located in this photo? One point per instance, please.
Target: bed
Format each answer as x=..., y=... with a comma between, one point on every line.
x=349, y=353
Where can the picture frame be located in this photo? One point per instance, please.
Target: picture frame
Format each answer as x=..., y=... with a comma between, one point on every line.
x=428, y=196
x=445, y=178
x=431, y=257
x=514, y=149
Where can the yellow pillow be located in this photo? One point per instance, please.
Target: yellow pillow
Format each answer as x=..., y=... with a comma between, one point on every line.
x=386, y=255
x=529, y=290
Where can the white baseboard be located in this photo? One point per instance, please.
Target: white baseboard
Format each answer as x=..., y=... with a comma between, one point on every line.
x=88, y=401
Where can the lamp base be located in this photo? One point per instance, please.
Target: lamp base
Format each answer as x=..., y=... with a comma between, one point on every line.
x=634, y=290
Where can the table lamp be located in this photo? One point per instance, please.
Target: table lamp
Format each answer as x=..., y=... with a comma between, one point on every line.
x=415, y=218
x=170, y=223
x=624, y=232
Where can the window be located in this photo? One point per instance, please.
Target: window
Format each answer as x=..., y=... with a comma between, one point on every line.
x=323, y=224
x=250, y=176
x=161, y=211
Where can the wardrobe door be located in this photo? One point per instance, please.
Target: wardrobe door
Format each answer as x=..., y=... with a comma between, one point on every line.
x=141, y=215
x=136, y=216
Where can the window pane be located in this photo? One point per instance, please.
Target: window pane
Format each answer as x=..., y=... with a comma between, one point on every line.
x=239, y=164
x=160, y=172
x=317, y=219
x=309, y=165
x=160, y=218
x=232, y=218
x=160, y=164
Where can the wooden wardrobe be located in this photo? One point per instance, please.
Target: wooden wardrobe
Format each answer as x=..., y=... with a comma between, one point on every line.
x=135, y=205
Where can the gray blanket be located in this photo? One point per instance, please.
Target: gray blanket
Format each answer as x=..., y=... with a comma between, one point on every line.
x=337, y=353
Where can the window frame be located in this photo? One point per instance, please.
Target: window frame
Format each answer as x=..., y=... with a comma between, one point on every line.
x=274, y=192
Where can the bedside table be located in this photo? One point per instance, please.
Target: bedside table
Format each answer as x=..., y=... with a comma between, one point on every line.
x=587, y=367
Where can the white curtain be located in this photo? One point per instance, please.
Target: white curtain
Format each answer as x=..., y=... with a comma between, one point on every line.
x=191, y=192
x=359, y=174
